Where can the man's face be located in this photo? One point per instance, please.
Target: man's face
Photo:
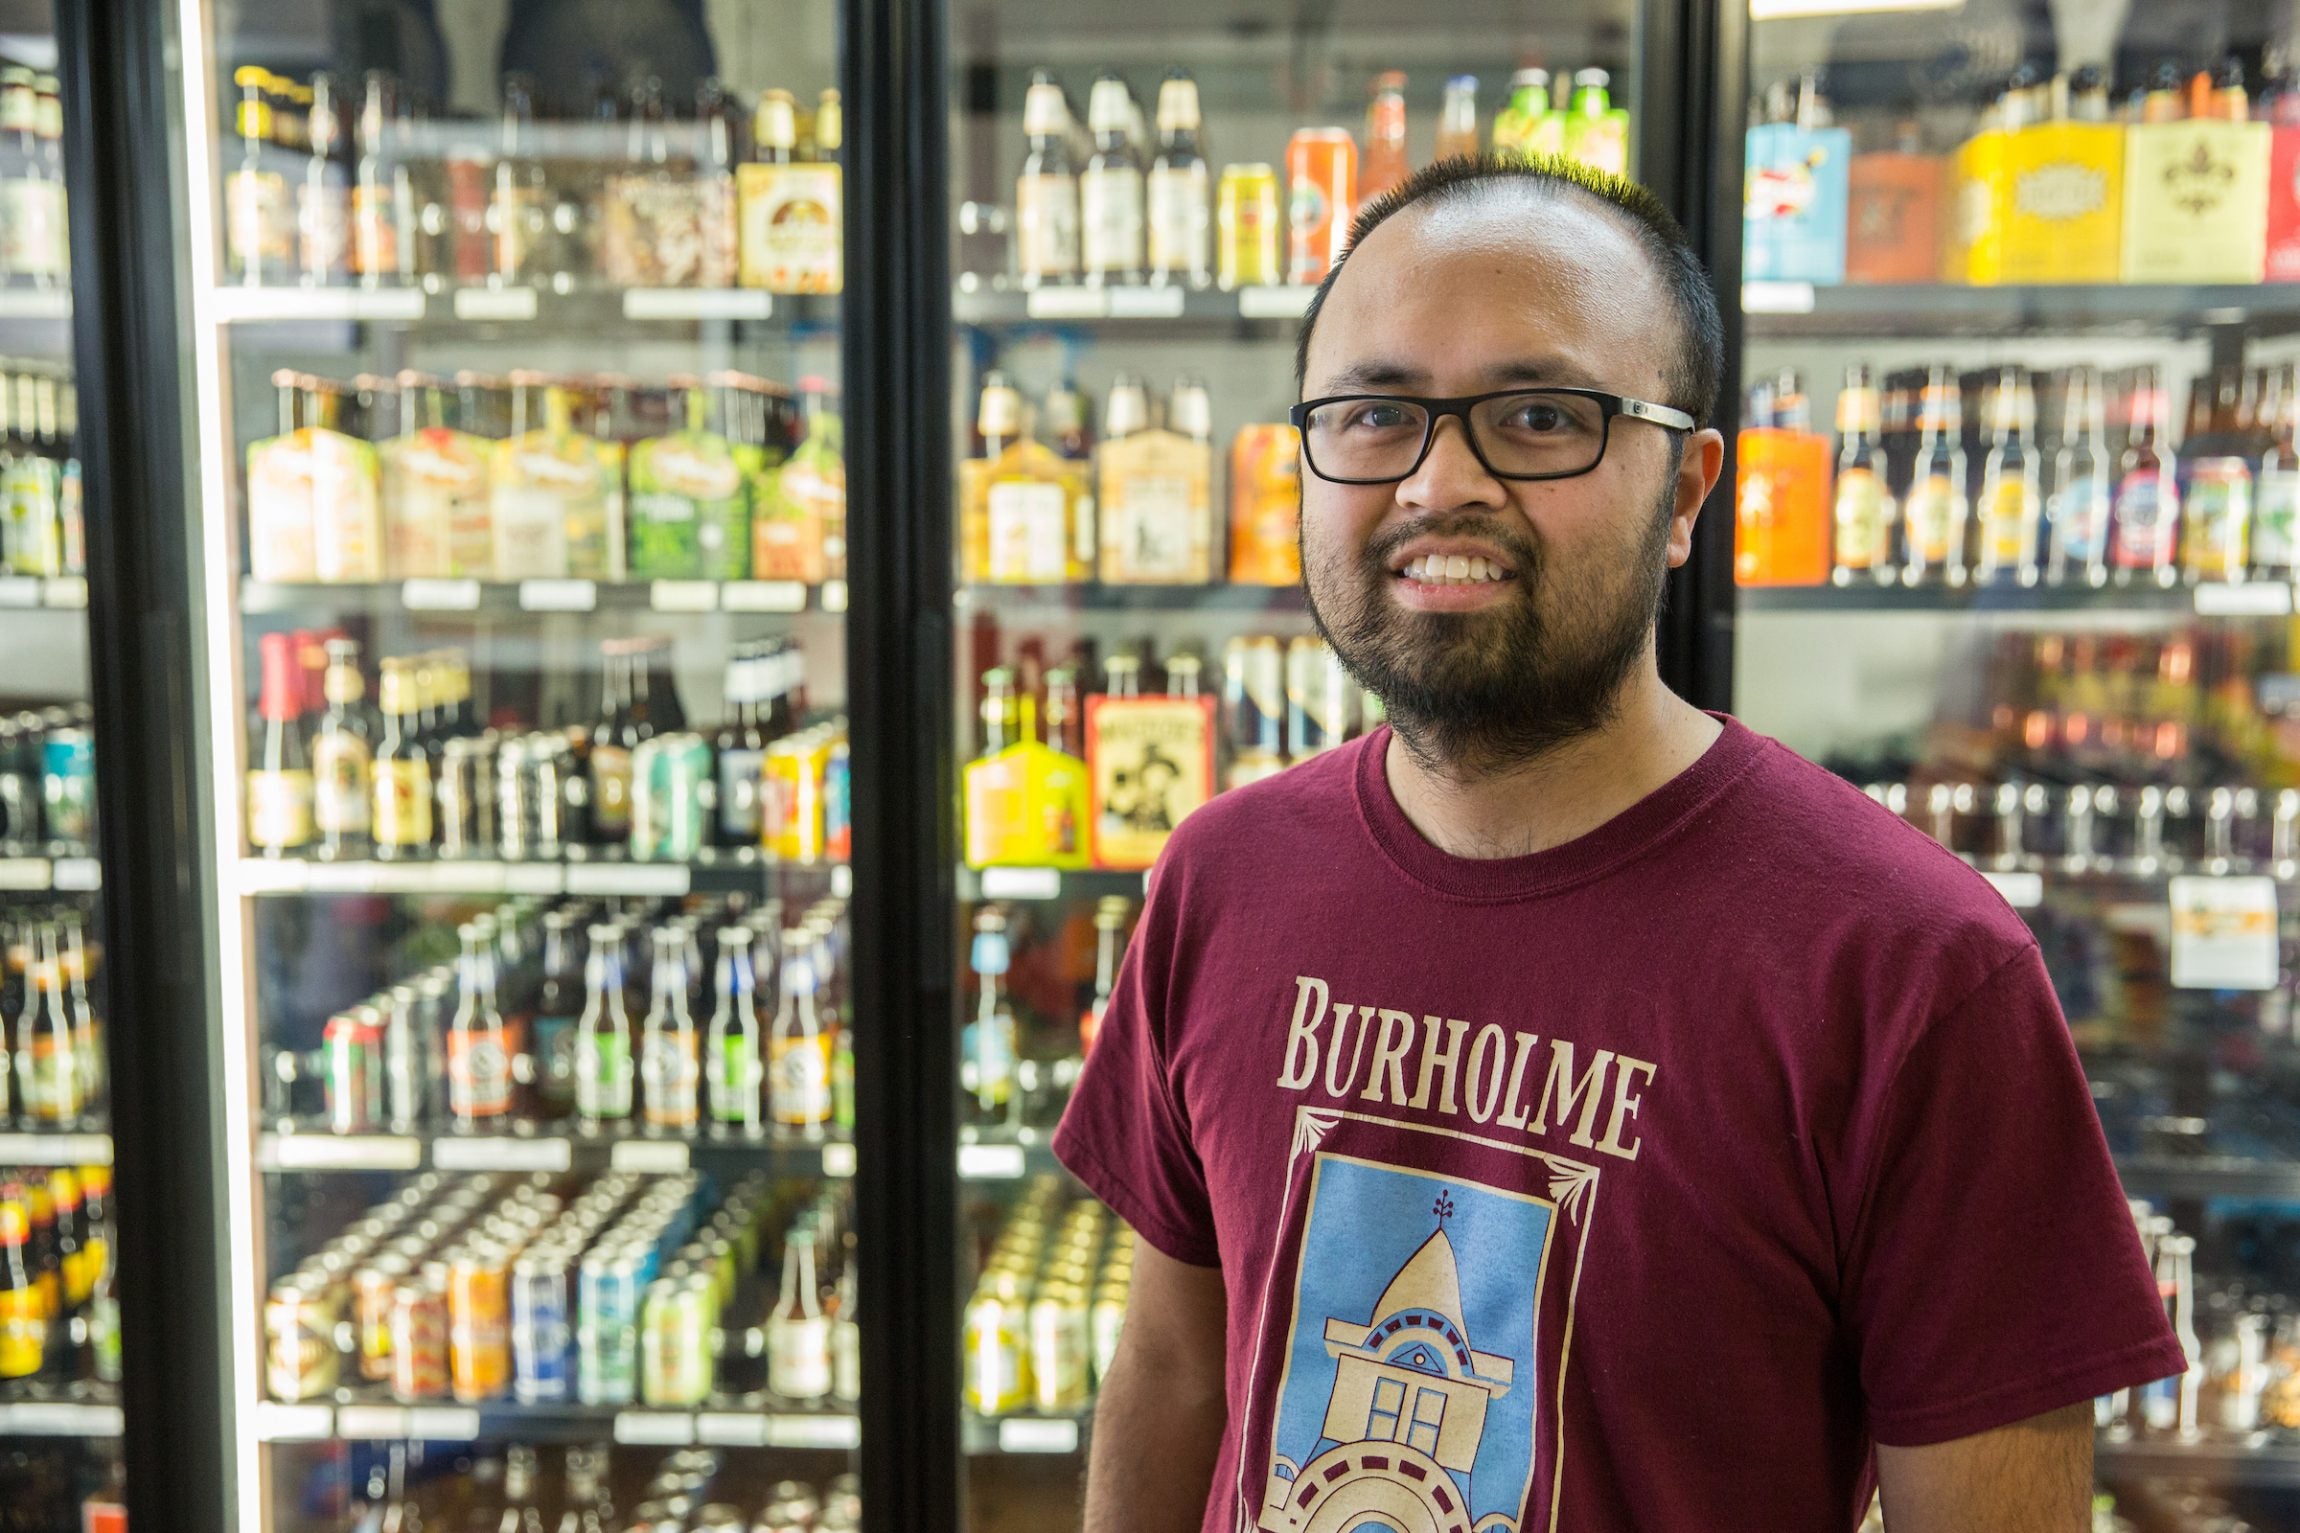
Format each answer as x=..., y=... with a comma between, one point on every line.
x=1502, y=290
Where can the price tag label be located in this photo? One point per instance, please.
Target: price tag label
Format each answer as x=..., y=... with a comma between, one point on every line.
x=675, y=1429
x=558, y=595
x=1067, y=303
x=697, y=303
x=2251, y=598
x=639, y=878
x=59, y=1418
x=56, y=1149
x=1145, y=303
x=656, y=1156
x=1274, y=302
x=730, y=1429
x=79, y=873
x=26, y=872
x=19, y=591
x=439, y=595
x=442, y=1423
x=1037, y=1434
x=383, y=1423
x=280, y=1423
x=500, y=1152
x=842, y=882
x=989, y=1162
x=2022, y=891
x=346, y=877
x=814, y=1432
x=495, y=303
x=65, y=591
x=1021, y=883
x=275, y=875
x=763, y=596
x=2224, y=934
x=838, y=1160
x=534, y=878
x=1776, y=297
x=340, y=1152
x=683, y=596
x=834, y=596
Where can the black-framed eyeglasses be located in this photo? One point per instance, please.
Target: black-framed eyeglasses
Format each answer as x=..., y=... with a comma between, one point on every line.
x=1515, y=433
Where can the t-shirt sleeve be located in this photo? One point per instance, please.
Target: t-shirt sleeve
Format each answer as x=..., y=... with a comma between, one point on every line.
x=1993, y=1272
x=1124, y=1135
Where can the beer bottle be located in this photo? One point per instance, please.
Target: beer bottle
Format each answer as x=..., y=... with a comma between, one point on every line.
x=1126, y=410
x=613, y=739
x=47, y=1047
x=478, y=1045
x=259, y=227
x=668, y=1048
x=402, y=810
x=2276, y=511
x=23, y=1315
x=1457, y=119
x=280, y=781
x=1935, y=510
x=1385, y=163
x=731, y=1062
x=1065, y=730
x=519, y=203
x=103, y=1319
x=2011, y=509
x=323, y=202
x=342, y=759
x=2144, y=515
x=1067, y=428
x=1110, y=191
x=990, y=1043
x=1109, y=946
x=798, y=1333
x=560, y=1001
x=1046, y=193
x=1180, y=233
x=739, y=749
x=2079, y=506
x=73, y=1280
x=799, y=1047
x=602, y=1064
x=1863, y=513
x=846, y=1337
x=2217, y=509
x=521, y=1472
x=87, y=1030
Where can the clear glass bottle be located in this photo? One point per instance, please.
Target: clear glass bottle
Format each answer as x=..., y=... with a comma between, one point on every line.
x=732, y=1052
x=670, y=1066
x=478, y=1043
x=603, y=1067
x=798, y=1047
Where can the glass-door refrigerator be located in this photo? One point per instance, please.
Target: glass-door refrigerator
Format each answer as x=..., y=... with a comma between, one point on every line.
x=521, y=530
x=60, y=1354
x=2015, y=552
x=1141, y=203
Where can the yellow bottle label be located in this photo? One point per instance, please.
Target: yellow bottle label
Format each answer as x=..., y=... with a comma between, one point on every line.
x=280, y=809
x=2009, y=521
x=1862, y=515
x=402, y=803
x=1933, y=518
x=23, y=1332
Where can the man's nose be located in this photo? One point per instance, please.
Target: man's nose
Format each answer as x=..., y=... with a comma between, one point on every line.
x=1451, y=473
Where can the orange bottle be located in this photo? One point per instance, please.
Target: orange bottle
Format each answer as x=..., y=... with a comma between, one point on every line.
x=1781, y=499
x=1321, y=199
x=1386, y=163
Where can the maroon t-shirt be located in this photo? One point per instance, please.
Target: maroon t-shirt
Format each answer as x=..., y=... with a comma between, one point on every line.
x=1641, y=1183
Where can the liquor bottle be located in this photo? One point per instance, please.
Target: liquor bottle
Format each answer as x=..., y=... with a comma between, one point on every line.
x=2011, y=508
x=1385, y=163
x=1180, y=218
x=2172, y=1405
x=2144, y=516
x=613, y=738
x=2276, y=511
x=1863, y=514
x=670, y=1066
x=1935, y=510
x=1025, y=803
x=1110, y=215
x=714, y=187
x=1065, y=730
x=1457, y=119
x=2082, y=473
x=280, y=791
x=519, y=201
x=798, y=1332
x=799, y=1046
x=655, y=699
x=343, y=759
x=382, y=250
x=323, y=200
x=1027, y=514
x=259, y=219
x=731, y=1055
x=990, y=1046
x=47, y=1045
x=522, y=1473
x=1155, y=499
x=401, y=821
x=2217, y=507
x=1046, y=211
x=1110, y=915
x=603, y=1073
x=478, y=1044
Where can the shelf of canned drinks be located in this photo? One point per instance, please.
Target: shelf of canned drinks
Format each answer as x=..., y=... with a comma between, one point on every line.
x=2260, y=1460
x=577, y=312
x=2249, y=598
x=1128, y=305
x=38, y=875
x=501, y=597
x=833, y=1431
x=1133, y=598
x=62, y=593
x=736, y=871
x=318, y=1148
x=83, y=1414
x=1802, y=309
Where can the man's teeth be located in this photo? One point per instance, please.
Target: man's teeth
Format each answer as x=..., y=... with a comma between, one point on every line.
x=1453, y=570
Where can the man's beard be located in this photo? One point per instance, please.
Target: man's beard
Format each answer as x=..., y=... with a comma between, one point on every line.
x=1470, y=694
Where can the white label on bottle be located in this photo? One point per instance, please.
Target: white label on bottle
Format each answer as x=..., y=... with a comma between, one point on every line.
x=380, y=1423
x=730, y=1429
x=657, y=1428
x=439, y=595
x=763, y=596
x=1046, y=225
x=2022, y=891
x=345, y=1152
x=2276, y=519
x=2252, y=598
x=643, y=878
x=2224, y=934
x=683, y=596
x=1145, y=303
x=1274, y=302
x=558, y=595
x=78, y=873
x=989, y=1162
x=1037, y=1434
x=838, y=1160
x=1027, y=533
x=698, y=303
x=500, y=1153
x=843, y=1432
x=657, y=1156
x=1021, y=883
x=495, y=303
x=1110, y=219
x=1179, y=222
x=799, y=1357
x=1067, y=303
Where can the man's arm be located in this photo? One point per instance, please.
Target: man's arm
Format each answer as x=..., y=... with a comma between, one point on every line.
x=1158, y=1416
x=2034, y=1476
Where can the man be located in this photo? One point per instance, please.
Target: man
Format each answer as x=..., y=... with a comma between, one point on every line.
x=1565, y=1106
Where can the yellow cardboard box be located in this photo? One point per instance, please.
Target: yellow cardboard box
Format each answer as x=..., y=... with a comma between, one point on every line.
x=1979, y=205
x=2063, y=208
x=2195, y=201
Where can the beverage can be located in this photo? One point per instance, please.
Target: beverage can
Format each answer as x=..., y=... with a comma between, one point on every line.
x=676, y=1349
x=1061, y=1348
x=419, y=1324
x=478, y=1323
x=300, y=1359
x=791, y=798
x=1266, y=505
x=607, y=1326
x=373, y=1288
x=68, y=784
x=997, y=1350
x=1321, y=199
x=542, y=1330
x=463, y=771
x=671, y=797
x=351, y=1048
x=838, y=803
x=1246, y=202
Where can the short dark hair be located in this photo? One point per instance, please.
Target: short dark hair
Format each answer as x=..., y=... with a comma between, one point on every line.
x=1693, y=376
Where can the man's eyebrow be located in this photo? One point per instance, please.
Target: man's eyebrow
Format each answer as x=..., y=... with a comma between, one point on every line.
x=1531, y=371
x=1376, y=375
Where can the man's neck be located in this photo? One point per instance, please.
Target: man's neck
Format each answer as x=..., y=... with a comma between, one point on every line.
x=1562, y=795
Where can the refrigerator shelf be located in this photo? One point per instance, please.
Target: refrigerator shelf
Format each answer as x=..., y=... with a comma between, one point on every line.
x=977, y=884
x=2210, y=1176
x=2261, y=598
x=733, y=1427
x=499, y=598
x=57, y=593
x=96, y=1416
x=547, y=312
x=317, y=1149
x=1024, y=1434
x=1134, y=310
x=2267, y=1464
x=40, y=875
x=1003, y=599
x=739, y=872
x=1784, y=310
x=58, y=1148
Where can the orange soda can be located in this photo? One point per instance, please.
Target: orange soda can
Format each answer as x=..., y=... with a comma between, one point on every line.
x=1266, y=506
x=1321, y=198
x=479, y=1323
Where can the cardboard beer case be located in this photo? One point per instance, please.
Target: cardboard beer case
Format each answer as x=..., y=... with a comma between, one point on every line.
x=2063, y=216
x=1893, y=217
x=1149, y=762
x=2283, y=261
x=2196, y=201
x=1795, y=194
